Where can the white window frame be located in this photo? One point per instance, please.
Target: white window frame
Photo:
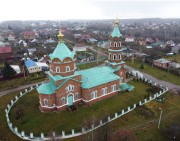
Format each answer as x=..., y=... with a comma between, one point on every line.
x=67, y=69
x=46, y=102
x=113, y=88
x=104, y=91
x=94, y=94
x=57, y=69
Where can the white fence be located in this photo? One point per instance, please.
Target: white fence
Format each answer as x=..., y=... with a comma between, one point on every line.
x=31, y=136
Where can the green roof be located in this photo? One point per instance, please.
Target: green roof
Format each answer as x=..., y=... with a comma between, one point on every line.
x=126, y=86
x=116, y=32
x=47, y=88
x=97, y=76
x=61, y=52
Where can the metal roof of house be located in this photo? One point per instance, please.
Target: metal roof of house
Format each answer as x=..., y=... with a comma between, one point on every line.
x=61, y=52
x=97, y=76
x=162, y=60
x=5, y=50
x=30, y=63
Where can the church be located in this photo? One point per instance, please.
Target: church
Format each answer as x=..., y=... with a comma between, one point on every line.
x=65, y=86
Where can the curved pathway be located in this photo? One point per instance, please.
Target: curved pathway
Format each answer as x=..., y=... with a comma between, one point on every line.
x=18, y=88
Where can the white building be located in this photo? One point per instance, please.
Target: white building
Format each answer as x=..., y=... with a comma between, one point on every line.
x=16, y=68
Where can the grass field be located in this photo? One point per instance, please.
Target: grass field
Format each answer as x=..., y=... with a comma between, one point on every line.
x=157, y=73
x=63, y=120
x=35, y=121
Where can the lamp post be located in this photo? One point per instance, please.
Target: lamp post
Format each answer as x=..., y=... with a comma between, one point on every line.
x=160, y=117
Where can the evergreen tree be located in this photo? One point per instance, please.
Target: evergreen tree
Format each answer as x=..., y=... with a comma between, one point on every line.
x=8, y=71
x=142, y=66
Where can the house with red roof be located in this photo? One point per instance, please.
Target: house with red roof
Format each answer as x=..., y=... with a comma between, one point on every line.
x=5, y=52
x=29, y=35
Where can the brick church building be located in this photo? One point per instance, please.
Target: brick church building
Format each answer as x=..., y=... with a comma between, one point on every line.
x=66, y=87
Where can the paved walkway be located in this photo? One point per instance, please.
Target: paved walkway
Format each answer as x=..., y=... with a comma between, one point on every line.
x=164, y=83
x=17, y=89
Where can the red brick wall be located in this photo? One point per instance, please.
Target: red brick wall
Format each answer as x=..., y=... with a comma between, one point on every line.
x=87, y=92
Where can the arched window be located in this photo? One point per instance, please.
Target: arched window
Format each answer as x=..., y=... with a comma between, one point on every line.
x=76, y=96
x=74, y=65
x=119, y=44
x=115, y=44
x=63, y=100
x=113, y=88
x=57, y=69
x=110, y=56
x=104, y=91
x=119, y=56
x=114, y=56
x=93, y=94
x=45, y=102
x=67, y=69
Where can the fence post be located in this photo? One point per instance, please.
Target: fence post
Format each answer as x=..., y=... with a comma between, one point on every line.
x=100, y=122
x=16, y=129
x=116, y=115
x=31, y=135
x=134, y=105
x=22, y=133
x=6, y=111
x=25, y=90
x=8, y=107
x=83, y=130
x=140, y=103
x=21, y=94
x=109, y=118
x=31, y=87
x=92, y=126
x=72, y=131
x=63, y=133
x=12, y=102
x=36, y=85
x=145, y=100
x=16, y=98
x=128, y=108
x=122, y=112
x=42, y=135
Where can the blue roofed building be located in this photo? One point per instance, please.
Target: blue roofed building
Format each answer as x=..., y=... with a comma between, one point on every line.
x=65, y=86
x=32, y=67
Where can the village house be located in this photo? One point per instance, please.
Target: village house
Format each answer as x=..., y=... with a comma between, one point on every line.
x=162, y=63
x=66, y=87
x=30, y=35
x=5, y=52
x=176, y=48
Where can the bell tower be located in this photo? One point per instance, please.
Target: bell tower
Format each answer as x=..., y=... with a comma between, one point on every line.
x=115, y=49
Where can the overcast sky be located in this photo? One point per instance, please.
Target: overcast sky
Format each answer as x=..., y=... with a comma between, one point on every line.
x=87, y=9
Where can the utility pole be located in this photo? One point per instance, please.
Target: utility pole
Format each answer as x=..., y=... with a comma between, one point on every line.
x=160, y=117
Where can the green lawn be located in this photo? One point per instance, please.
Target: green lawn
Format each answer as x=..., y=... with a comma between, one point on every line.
x=16, y=82
x=158, y=73
x=89, y=65
x=66, y=120
x=36, y=121
x=174, y=57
